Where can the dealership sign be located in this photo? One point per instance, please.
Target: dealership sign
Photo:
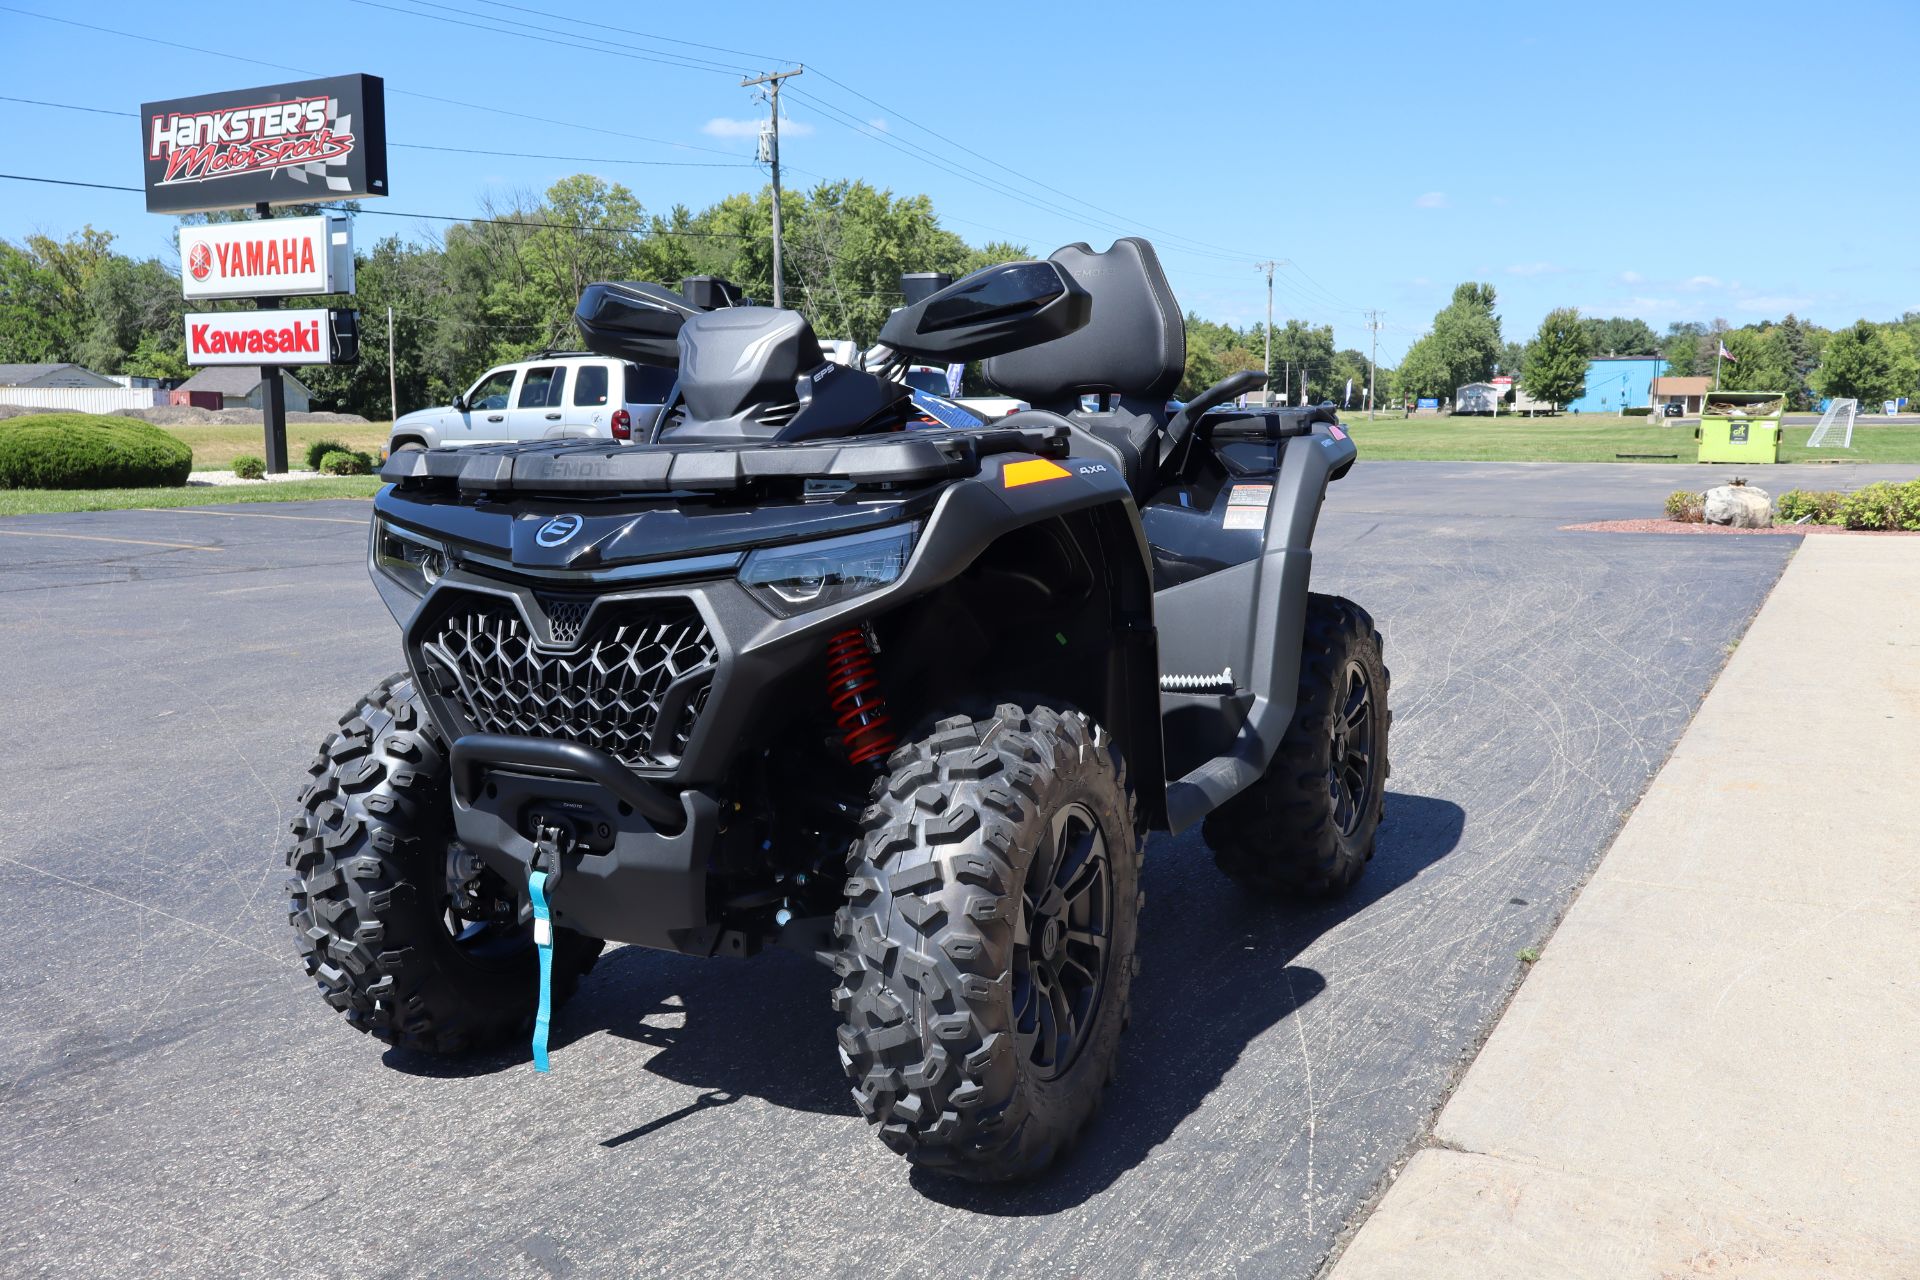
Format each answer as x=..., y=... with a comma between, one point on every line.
x=267, y=259
x=314, y=336
x=308, y=141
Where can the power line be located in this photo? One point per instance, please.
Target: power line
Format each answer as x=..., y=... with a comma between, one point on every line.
x=1228, y=254
x=407, y=93
x=440, y=217
x=429, y=146
x=839, y=115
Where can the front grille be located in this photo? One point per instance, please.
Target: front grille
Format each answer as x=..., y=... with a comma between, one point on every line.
x=565, y=617
x=607, y=691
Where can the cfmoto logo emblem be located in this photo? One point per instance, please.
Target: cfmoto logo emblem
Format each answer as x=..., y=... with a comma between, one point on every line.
x=558, y=530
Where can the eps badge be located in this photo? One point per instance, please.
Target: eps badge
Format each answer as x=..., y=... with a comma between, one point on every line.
x=558, y=530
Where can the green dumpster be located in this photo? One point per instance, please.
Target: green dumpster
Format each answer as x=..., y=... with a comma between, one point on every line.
x=1740, y=426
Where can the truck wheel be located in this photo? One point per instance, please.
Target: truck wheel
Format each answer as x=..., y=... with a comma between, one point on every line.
x=1306, y=828
x=987, y=944
x=406, y=932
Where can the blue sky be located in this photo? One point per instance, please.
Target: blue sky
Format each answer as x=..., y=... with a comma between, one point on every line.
x=1573, y=155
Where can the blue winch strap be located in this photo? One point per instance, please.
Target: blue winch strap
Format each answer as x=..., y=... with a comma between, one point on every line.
x=543, y=940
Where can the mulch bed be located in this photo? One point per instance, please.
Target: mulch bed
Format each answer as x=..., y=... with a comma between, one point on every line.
x=1678, y=526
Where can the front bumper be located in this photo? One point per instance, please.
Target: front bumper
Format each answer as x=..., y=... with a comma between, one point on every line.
x=634, y=868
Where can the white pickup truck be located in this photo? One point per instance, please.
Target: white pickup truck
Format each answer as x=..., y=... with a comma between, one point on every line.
x=554, y=395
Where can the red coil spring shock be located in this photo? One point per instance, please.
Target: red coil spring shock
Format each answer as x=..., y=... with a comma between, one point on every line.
x=853, y=684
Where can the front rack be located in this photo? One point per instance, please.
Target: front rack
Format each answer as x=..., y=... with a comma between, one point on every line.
x=599, y=466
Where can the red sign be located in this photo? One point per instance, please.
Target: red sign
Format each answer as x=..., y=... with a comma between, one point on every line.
x=1502, y=381
x=261, y=337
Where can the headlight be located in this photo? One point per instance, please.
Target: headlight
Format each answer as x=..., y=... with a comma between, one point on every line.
x=791, y=580
x=407, y=558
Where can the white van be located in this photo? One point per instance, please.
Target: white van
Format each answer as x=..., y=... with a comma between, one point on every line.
x=554, y=395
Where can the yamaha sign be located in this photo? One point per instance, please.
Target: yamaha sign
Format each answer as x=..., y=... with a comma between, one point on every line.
x=277, y=258
x=299, y=143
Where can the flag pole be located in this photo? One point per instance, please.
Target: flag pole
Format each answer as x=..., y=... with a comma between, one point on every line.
x=1719, y=350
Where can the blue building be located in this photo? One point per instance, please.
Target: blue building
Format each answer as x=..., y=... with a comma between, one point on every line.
x=1618, y=382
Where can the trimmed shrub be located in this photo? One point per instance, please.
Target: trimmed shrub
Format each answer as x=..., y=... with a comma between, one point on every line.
x=345, y=462
x=250, y=467
x=319, y=449
x=1686, y=507
x=87, y=451
x=1882, y=506
x=1823, y=505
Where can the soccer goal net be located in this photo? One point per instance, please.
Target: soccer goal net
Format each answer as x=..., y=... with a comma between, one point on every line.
x=1836, y=426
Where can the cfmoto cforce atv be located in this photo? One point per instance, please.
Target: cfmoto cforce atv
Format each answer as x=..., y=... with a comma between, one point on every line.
x=800, y=670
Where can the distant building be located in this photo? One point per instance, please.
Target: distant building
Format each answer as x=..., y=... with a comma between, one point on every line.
x=1688, y=393
x=69, y=388
x=239, y=386
x=51, y=375
x=1618, y=382
x=1478, y=397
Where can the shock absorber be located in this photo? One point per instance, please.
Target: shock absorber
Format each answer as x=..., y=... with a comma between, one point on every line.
x=859, y=709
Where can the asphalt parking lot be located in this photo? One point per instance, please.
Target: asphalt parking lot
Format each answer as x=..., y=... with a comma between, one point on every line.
x=178, y=1101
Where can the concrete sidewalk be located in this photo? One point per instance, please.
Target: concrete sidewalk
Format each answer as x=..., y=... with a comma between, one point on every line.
x=1714, y=1069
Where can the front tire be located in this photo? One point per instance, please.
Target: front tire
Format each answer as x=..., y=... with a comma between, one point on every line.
x=404, y=931
x=1306, y=828
x=986, y=949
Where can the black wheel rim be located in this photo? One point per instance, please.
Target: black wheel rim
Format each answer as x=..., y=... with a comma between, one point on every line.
x=1060, y=958
x=1350, y=765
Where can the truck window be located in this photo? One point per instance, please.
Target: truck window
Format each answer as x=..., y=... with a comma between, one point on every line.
x=648, y=384
x=590, y=385
x=542, y=387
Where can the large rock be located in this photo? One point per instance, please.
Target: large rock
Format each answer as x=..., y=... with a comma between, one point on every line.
x=1739, y=506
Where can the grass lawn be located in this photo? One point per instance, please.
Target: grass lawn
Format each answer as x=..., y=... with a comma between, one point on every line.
x=215, y=447
x=1590, y=438
x=23, y=502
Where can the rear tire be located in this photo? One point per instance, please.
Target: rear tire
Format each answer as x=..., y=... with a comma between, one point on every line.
x=1306, y=829
x=372, y=903
x=986, y=949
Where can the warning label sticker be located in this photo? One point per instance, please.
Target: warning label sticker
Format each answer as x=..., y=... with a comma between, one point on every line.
x=1247, y=507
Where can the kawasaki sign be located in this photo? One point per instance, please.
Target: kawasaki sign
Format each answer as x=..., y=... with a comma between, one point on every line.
x=299, y=143
x=315, y=336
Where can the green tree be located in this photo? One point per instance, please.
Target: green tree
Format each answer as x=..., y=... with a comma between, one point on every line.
x=158, y=357
x=1868, y=363
x=1424, y=371
x=1759, y=361
x=1466, y=337
x=1619, y=336
x=1681, y=348
x=38, y=323
x=1555, y=369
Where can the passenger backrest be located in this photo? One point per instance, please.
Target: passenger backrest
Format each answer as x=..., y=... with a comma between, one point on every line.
x=1133, y=345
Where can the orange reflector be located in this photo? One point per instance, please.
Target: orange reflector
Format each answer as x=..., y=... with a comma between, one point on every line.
x=1032, y=471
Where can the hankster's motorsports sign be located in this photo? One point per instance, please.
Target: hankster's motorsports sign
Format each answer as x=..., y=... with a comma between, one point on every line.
x=299, y=143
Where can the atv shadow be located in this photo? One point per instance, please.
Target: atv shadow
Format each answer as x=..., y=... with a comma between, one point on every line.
x=1216, y=975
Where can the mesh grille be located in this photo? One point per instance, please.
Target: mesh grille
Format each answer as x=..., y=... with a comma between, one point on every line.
x=605, y=693
x=565, y=617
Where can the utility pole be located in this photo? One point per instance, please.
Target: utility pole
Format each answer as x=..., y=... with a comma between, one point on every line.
x=1373, y=360
x=772, y=81
x=1266, y=393
x=393, y=393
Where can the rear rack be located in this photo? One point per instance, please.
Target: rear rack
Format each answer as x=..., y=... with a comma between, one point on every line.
x=598, y=466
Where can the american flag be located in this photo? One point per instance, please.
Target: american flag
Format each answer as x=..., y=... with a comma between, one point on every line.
x=1728, y=355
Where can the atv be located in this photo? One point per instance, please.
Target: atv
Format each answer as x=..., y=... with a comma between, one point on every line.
x=800, y=670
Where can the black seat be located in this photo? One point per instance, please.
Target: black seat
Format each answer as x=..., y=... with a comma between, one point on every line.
x=1133, y=346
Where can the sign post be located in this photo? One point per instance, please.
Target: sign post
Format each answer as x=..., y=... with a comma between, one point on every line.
x=300, y=143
